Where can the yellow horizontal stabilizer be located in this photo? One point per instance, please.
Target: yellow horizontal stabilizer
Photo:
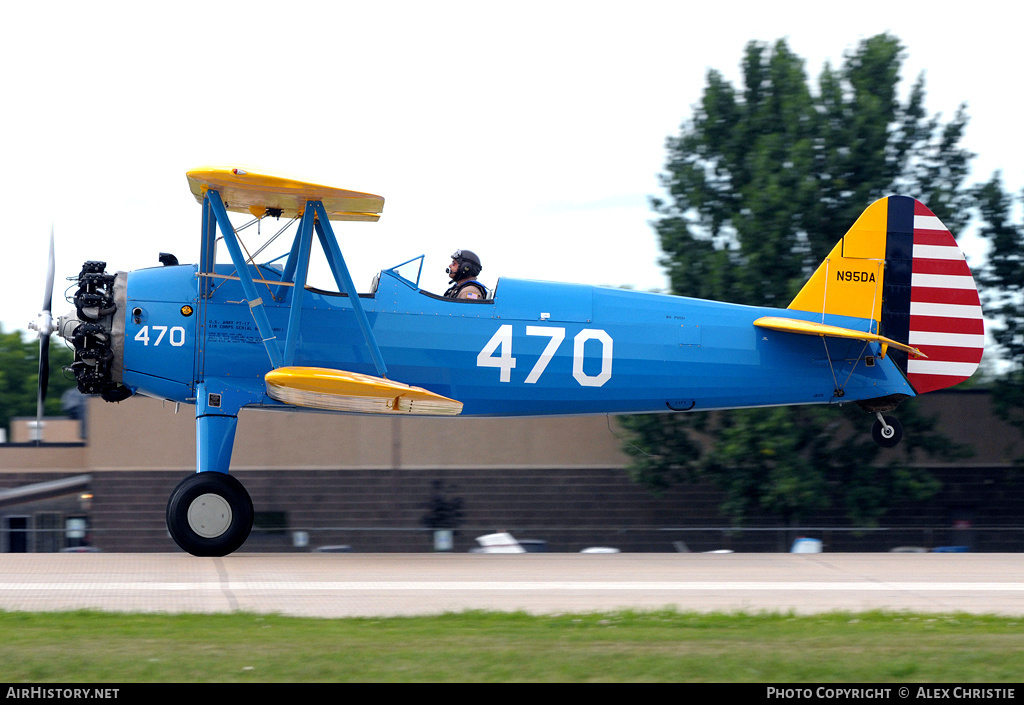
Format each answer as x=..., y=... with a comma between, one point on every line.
x=338, y=390
x=792, y=325
x=245, y=191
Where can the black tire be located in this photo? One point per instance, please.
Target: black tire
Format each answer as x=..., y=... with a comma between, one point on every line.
x=209, y=514
x=887, y=438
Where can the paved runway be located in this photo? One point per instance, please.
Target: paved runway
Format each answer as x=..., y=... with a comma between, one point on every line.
x=343, y=585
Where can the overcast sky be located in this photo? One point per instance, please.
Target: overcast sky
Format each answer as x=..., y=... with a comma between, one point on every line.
x=530, y=132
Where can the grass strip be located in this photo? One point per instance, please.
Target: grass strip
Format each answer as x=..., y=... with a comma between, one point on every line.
x=661, y=646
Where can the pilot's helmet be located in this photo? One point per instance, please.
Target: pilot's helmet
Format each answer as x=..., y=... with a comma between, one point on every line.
x=469, y=263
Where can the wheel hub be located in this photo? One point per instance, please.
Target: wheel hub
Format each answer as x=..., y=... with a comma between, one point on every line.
x=209, y=515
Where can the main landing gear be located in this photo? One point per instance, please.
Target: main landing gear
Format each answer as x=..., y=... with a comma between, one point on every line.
x=887, y=430
x=209, y=514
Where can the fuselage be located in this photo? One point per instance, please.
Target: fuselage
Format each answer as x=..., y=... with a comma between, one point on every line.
x=535, y=348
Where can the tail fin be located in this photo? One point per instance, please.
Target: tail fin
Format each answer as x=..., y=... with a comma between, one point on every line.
x=900, y=267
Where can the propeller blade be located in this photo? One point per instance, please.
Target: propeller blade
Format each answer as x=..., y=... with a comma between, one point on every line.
x=44, y=325
x=48, y=294
x=44, y=375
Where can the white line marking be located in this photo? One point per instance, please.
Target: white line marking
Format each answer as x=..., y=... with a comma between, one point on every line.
x=928, y=222
x=506, y=585
x=942, y=281
x=938, y=252
x=953, y=340
x=941, y=367
x=921, y=308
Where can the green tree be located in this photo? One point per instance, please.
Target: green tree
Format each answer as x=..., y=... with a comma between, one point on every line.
x=760, y=184
x=1002, y=287
x=763, y=182
x=19, y=376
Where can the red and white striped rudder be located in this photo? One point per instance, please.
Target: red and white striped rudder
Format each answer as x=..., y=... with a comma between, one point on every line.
x=945, y=311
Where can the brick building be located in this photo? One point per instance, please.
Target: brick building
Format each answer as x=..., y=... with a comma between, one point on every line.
x=367, y=482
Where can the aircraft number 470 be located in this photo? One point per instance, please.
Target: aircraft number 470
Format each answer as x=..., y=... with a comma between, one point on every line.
x=176, y=337
x=498, y=353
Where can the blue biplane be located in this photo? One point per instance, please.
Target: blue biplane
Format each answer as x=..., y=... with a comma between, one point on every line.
x=891, y=313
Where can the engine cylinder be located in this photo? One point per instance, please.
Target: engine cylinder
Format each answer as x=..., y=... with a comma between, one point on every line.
x=91, y=333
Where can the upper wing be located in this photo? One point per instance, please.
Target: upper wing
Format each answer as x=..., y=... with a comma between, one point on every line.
x=251, y=192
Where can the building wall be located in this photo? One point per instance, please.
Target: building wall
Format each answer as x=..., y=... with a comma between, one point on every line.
x=55, y=430
x=366, y=482
x=146, y=434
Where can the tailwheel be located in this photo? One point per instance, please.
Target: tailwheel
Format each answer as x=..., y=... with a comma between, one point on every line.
x=887, y=431
x=209, y=514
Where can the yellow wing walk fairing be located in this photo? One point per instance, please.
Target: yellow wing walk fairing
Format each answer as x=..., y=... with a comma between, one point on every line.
x=245, y=191
x=338, y=390
x=791, y=325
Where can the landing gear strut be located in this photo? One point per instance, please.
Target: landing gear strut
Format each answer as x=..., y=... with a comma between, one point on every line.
x=209, y=514
x=887, y=430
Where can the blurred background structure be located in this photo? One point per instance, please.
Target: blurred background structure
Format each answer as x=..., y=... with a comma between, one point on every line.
x=372, y=484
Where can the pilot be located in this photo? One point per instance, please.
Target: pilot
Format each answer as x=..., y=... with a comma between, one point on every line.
x=463, y=270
